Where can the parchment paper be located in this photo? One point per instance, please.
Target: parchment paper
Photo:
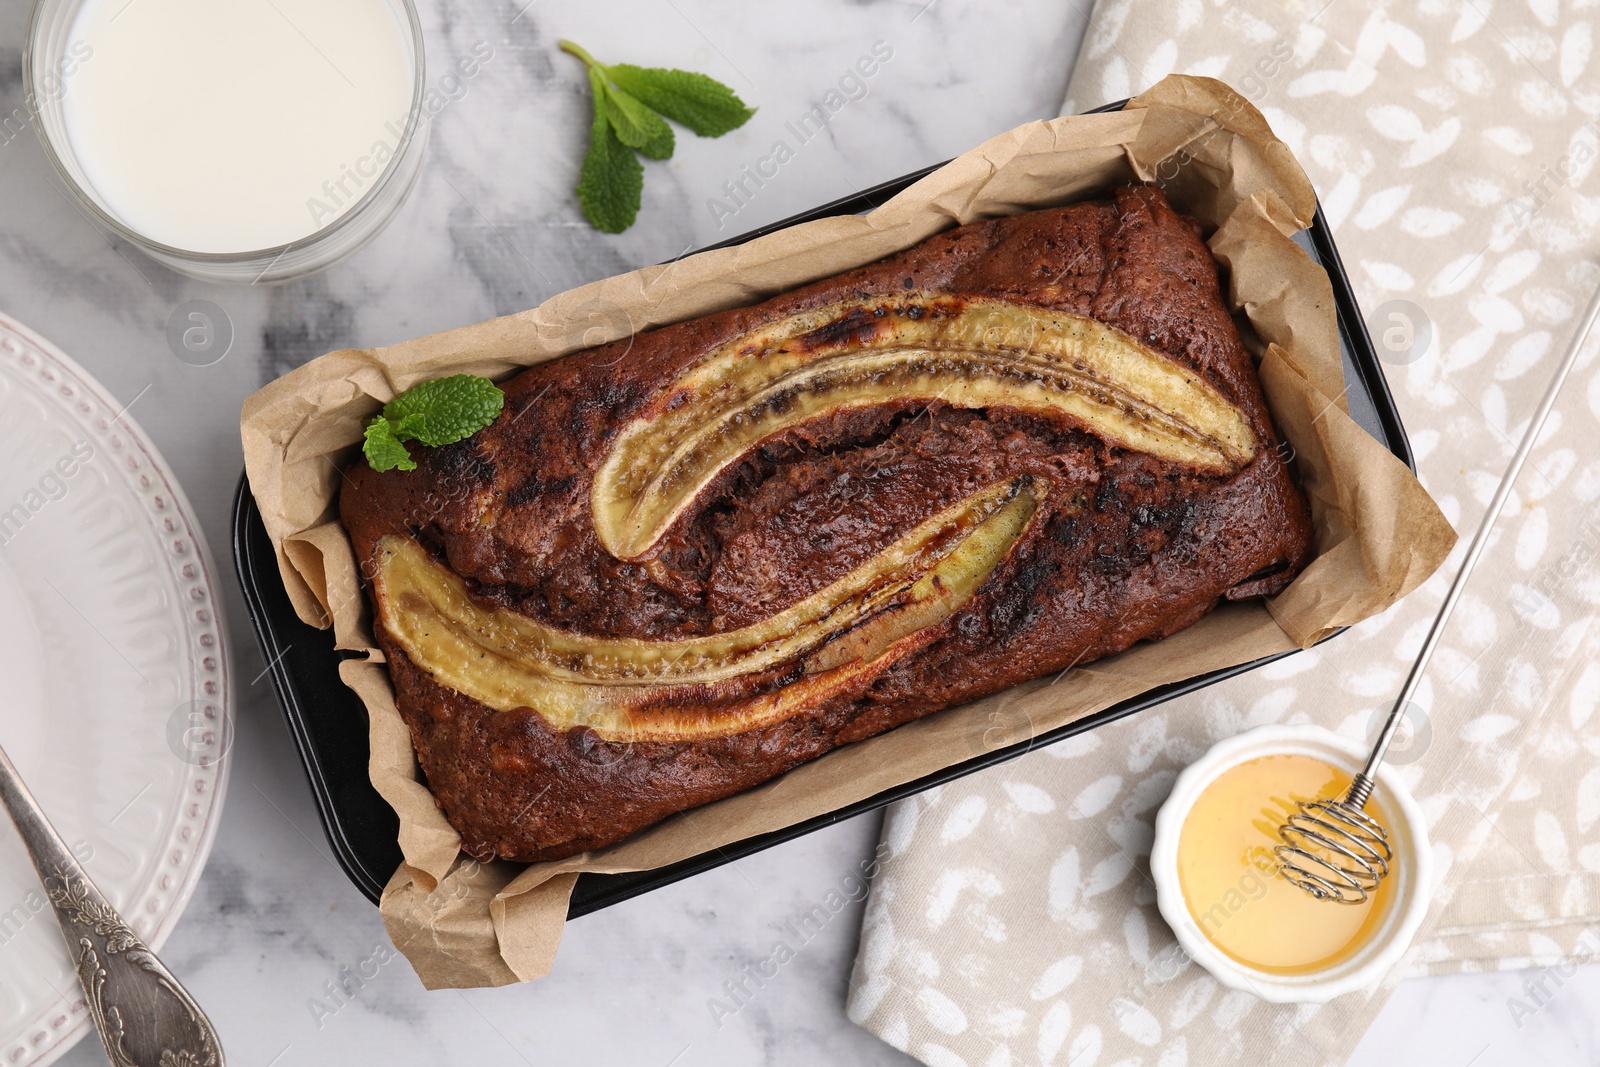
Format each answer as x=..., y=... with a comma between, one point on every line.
x=1378, y=533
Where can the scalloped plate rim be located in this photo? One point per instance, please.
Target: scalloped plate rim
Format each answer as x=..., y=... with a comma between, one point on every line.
x=65, y=1037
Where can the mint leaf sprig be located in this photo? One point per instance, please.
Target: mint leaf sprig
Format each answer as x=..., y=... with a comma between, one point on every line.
x=433, y=413
x=631, y=105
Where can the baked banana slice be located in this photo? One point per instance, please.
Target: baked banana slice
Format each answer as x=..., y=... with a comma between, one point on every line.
x=966, y=352
x=627, y=689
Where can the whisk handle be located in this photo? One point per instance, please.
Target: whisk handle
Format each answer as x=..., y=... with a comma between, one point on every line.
x=1360, y=791
x=1480, y=541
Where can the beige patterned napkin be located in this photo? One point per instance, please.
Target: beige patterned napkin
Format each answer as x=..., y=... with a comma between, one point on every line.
x=1453, y=146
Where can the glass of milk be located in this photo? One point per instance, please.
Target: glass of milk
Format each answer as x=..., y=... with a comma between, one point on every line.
x=250, y=141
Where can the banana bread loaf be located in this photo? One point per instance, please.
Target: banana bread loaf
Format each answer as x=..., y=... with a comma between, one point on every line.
x=682, y=563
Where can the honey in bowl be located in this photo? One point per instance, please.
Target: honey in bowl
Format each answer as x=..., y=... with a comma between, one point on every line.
x=1227, y=870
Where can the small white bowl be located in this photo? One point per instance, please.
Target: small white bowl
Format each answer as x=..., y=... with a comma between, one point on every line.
x=1411, y=872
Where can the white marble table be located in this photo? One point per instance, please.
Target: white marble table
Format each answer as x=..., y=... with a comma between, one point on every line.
x=493, y=229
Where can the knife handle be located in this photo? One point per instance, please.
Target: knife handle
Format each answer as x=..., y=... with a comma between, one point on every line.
x=144, y=1015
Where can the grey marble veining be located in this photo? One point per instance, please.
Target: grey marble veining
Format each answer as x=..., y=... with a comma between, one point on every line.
x=275, y=929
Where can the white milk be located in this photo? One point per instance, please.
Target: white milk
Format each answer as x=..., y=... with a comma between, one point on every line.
x=236, y=125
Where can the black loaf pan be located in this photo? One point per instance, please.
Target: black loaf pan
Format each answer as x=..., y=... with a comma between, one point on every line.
x=329, y=723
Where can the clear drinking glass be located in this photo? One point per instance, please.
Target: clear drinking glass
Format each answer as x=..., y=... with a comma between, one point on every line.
x=42, y=64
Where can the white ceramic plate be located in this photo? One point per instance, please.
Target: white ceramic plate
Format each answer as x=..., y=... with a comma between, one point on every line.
x=115, y=696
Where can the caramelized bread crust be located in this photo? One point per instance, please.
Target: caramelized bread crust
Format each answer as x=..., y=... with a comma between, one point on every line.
x=1121, y=545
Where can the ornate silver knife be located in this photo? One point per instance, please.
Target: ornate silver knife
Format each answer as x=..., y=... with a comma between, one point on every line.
x=145, y=1017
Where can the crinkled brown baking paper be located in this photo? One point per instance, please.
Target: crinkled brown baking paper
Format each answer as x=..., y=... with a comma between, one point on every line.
x=1378, y=533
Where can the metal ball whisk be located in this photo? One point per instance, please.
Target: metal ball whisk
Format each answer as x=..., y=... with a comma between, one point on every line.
x=1332, y=848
